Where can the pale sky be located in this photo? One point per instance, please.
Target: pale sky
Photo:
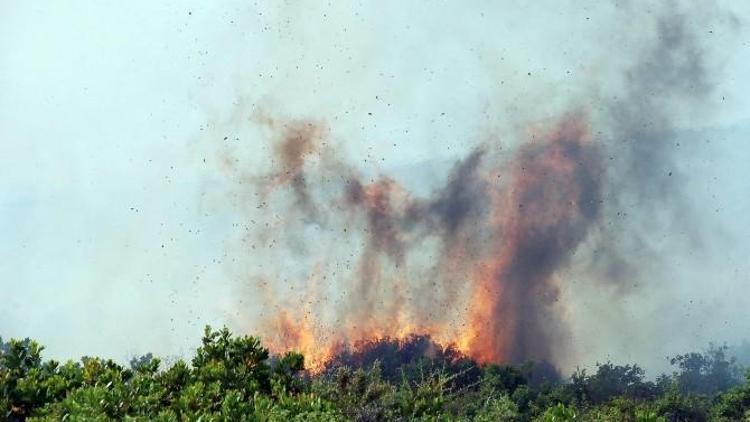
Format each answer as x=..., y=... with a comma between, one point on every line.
x=113, y=223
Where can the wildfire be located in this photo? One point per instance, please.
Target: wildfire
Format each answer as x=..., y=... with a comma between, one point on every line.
x=501, y=231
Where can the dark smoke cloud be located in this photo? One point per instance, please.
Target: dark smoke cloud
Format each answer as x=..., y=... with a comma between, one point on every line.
x=461, y=200
x=546, y=242
x=296, y=143
x=672, y=80
x=522, y=230
x=505, y=227
x=672, y=73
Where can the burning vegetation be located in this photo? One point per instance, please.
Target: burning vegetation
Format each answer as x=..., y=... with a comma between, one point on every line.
x=476, y=263
x=501, y=233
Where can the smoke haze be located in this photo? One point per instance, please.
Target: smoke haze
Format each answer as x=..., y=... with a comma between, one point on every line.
x=559, y=181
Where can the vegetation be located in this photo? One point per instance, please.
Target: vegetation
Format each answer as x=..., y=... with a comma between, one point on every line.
x=235, y=379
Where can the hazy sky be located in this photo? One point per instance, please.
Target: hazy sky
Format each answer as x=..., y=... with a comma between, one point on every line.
x=113, y=212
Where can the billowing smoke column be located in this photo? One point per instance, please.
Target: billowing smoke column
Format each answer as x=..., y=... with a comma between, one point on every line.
x=501, y=230
x=553, y=199
x=476, y=264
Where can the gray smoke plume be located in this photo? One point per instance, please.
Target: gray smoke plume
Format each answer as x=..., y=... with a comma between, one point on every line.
x=478, y=260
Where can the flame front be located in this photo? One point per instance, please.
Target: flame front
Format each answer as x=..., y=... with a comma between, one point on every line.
x=496, y=234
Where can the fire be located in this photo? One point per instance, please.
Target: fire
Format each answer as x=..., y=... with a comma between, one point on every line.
x=489, y=288
x=546, y=214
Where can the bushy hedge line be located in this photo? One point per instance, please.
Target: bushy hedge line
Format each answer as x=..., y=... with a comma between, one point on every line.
x=233, y=378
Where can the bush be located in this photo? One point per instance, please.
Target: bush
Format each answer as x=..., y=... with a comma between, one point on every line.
x=234, y=378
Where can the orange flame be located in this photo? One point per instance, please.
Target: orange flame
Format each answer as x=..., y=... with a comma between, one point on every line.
x=493, y=280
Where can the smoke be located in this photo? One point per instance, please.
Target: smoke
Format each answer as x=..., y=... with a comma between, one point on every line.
x=672, y=79
x=481, y=260
x=498, y=243
x=554, y=199
x=321, y=174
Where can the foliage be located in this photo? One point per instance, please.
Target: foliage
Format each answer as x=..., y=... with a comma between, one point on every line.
x=706, y=373
x=559, y=413
x=734, y=405
x=611, y=381
x=234, y=378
